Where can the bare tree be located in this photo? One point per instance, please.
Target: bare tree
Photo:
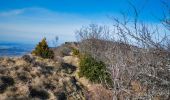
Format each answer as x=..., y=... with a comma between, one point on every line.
x=133, y=52
x=166, y=14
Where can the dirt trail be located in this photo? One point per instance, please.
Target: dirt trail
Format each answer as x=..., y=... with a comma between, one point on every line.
x=95, y=91
x=73, y=60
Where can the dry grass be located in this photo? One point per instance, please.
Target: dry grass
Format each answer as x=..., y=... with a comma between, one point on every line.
x=32, y=77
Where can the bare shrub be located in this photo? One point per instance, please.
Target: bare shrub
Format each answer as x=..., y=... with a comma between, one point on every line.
x=39, y=93
x=98, y=92
x=166, y=14
x=134, y=51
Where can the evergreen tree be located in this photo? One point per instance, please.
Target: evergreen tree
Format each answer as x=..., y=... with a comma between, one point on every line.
x=43, y=50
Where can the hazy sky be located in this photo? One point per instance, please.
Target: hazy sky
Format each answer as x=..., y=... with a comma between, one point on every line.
x=31, y=20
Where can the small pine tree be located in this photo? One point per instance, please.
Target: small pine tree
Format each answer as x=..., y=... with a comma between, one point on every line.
x=43, y=50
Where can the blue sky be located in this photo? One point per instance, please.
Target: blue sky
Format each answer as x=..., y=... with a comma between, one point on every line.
x=31, y=20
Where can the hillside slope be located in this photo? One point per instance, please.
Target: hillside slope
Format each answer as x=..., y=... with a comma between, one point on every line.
x=31, y=77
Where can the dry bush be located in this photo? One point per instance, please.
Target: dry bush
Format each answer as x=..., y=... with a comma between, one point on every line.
x=98, y=92
x=39, y=93
x=134, y=51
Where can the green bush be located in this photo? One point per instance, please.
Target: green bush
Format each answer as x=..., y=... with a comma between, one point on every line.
x=43, y=50
x=75, y=51
x=94, y=70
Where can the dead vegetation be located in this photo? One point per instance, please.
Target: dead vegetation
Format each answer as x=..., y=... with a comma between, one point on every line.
x=136, y=55
x=31, y=77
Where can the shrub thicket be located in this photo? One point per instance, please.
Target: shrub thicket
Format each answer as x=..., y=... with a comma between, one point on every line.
x=75, y=51
x=94, y=70
x=43, y=50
